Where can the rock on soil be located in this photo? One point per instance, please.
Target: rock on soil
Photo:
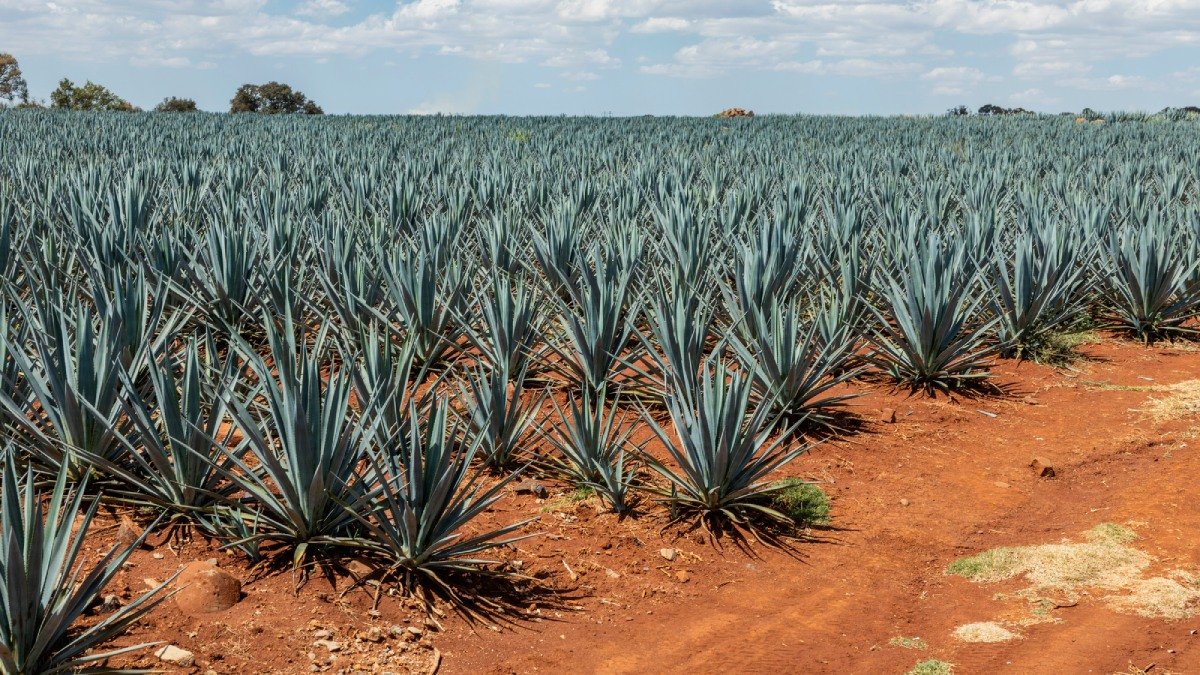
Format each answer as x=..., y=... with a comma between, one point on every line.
x=205, y=588
x=1042, y=467
x=175, y=655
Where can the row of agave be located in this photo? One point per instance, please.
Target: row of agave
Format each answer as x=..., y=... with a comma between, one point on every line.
x=347, y=336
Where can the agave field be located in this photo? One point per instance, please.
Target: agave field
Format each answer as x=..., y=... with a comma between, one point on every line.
x=314, y=340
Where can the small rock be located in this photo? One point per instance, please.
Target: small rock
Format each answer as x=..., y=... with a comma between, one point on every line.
x=682, y=576
x=205, y=588
x=374, y=634
x=887, y=416
x=903, y=502
x=1001, y=484
x=668, y=553
x=173, y=654
x=531, y=487
x=111, y=603
x=328, y=644
x=322, y=634
x=128, y=533
x=158, y=556
x=1043, y=468
x=359, y=569
x=415, y=631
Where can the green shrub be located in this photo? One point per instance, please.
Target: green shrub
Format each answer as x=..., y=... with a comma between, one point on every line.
x=805, y=503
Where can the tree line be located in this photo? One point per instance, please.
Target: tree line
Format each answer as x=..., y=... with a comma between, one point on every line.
x=269, y=98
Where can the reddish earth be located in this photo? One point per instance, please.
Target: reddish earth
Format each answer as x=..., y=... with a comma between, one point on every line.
x=944, y=481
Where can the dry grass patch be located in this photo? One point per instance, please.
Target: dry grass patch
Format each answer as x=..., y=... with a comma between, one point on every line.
x=1182, y=400
x=1158, y=598
x=1105, y=561
x=985, y=631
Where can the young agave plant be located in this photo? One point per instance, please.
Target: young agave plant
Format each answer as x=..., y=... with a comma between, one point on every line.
x=45, y=588
x=509, y=324
x=305, y=440
x=1036, y=287
x=1153, y=288
x=498, y=415
x=173, y=448
x=69, y=406
x=723, y=448
x=384, y=374
x=427, y=299
x=680, y=325
x=795, y=361
x=593, y=443
x=927, y=335
x=558, y=250
x=426, y=494
x=225, y=274
x=598, y=329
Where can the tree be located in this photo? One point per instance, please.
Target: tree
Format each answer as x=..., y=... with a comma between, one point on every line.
x=174, y=104
x=991, y=109
x=90, y=96
x=958, y=111
x=272, y=98
x=12, y=84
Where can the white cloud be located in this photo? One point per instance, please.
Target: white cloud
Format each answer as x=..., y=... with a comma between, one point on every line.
x=322, y=8
x=956, y=80
x=1038, y=44
x=661, y=24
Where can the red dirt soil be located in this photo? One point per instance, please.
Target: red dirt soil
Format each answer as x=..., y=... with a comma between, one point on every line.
x=944, y=481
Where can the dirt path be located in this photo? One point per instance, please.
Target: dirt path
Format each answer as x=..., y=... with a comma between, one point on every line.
x=944, y=481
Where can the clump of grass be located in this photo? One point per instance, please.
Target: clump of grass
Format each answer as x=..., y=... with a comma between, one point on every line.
x=932, y=667
x=1058, y=349
x=1110, y=532
x=582, y=493
x=804, y=502
x=908, y=642
x=993, y=565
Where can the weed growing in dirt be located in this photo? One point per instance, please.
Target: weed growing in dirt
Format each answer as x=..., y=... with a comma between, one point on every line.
x=805, y=503
x=1058, y=349
x=908, y=642
x=932, y=667
x=993, y=565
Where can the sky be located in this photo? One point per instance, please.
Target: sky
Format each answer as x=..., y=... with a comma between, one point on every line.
x=622, y=57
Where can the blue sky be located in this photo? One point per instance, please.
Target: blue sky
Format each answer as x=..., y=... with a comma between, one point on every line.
x=624, y=57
